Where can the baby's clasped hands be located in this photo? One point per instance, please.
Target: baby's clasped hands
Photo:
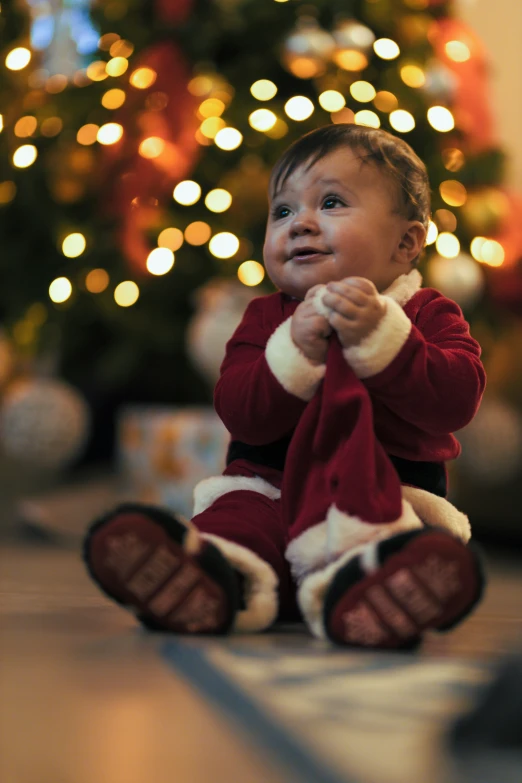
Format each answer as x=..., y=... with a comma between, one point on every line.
x=353, y=307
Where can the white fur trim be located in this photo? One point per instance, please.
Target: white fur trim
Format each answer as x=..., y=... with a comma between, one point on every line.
x=404, y=287
x=438, y=512
x=341, y=533
x=310, y=595
x=381, y=346
x=210, y=489
x=317, y=301
x=296, y=374
x=260, y=585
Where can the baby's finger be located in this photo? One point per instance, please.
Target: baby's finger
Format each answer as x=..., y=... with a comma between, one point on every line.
x=341, y=305
x=361, y=283
x=354, y=294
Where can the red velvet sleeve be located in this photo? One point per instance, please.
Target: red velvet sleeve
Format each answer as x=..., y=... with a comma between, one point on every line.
x=249, y=399
x=436, y=381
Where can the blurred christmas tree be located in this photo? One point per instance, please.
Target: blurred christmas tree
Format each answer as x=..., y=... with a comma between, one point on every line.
x=137, y=141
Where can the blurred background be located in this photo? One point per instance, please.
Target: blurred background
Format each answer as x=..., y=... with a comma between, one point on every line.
x=136, y=141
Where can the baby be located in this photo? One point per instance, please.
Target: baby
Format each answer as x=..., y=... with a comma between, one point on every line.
x=341, y=393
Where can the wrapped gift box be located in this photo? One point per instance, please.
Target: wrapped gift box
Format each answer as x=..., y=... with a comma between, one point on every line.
x=164, y=452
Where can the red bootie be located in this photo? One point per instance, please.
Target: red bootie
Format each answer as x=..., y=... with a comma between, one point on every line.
x=159, y=568
x=386, y=597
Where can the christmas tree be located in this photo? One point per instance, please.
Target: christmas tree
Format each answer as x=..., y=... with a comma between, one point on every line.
x=137, y=142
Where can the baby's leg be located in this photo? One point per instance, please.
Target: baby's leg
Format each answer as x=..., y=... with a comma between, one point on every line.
x=206, y=576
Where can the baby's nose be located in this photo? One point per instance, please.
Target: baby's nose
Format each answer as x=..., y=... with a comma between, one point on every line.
x=304, y=223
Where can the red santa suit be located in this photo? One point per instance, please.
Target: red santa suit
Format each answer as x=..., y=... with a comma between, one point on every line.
x=357, y=446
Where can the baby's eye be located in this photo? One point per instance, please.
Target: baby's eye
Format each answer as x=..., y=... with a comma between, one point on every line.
x=332, y=201
x=278, y=213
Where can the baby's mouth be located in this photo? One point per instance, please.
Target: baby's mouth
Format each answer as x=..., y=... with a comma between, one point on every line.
x=307, y=255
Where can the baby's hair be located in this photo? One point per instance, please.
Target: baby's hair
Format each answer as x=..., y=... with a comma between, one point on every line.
x=393, y=155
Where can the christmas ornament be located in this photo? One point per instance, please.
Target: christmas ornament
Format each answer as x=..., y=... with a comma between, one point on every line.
x=220, y=307
x=350, y=34
x=43, y=421
x=492, y=443
x=460, y=278
x=484, y=210
x=353, y=42
x=440, y=82
x=307, y=49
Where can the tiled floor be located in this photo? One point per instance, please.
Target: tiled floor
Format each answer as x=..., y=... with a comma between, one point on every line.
x=87, y=698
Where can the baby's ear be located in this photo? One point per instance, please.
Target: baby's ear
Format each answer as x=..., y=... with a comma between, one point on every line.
x=412, y=242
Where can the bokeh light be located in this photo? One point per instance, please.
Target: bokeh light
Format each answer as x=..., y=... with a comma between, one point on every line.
x=413, y=76
x=448, y=245
x=97, y=281
x=121, y=49
x=87, y=134
x=171, y=237
x=224, y=245
x=299, y=108
x=441, y=119
x=453, y=159
x=7, y=191
x=402, y=121
x=60, y=290
x=211, y=127
x=25, y=126
x=160, y=261
x=251, y=273
x=110, y=133
x=386, y=49
x=113, y=99
x=198, y=233
x=117, y=66
x=433, y=233
x=74, y=245
x=142, y=78
x=228, y=139
x=218, y=200
x=453, y=193
x=212, y=107
x=332, y=100
x=368, y=118
x=362, y=91
x=386, y=101
x=18, y=58
x=351, y=60
x=262, y=119
x=126, y=294
x=152, y=147
x=187, y=192
x=263, y=90
x=96, y=71
x=25, y=156
x=458, y=51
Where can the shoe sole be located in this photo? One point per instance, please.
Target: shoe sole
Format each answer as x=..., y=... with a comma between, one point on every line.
x=138, y=556
x=432, y=582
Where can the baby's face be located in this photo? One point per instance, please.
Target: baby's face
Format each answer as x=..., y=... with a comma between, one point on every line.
x=334, y=220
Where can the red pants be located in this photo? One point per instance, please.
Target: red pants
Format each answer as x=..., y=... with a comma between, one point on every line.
x=255, y=522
